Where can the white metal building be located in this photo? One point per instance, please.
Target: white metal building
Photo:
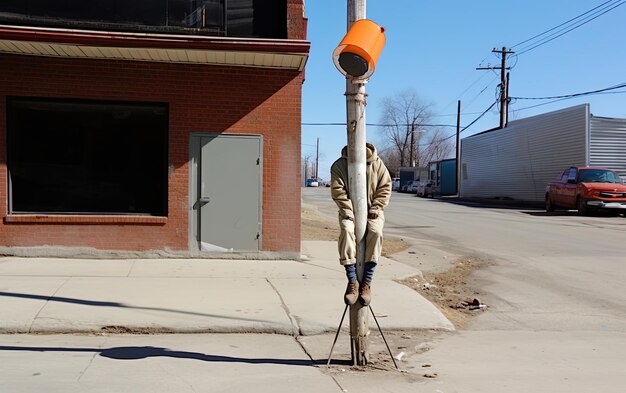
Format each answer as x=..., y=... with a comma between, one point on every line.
x=518, y=161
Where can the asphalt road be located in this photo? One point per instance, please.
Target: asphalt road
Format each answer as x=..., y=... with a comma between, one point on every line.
x=555, y=290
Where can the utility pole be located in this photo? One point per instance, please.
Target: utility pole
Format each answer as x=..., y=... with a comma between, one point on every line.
x=503, y=90
x=317, y=158
x=458, y=149
x=506, y=104
x=356, y=58
x=355, y=111
x=504, y=85
x=412, y=150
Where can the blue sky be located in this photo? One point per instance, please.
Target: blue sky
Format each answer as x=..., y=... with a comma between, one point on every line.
x=434, y=47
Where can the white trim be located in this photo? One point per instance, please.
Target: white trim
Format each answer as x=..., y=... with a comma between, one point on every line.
x=291, y=61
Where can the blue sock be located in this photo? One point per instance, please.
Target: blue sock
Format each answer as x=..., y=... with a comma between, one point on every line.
x=351, y=272
x=368, y=273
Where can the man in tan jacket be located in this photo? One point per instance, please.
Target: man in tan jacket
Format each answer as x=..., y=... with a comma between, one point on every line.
x=378, y=194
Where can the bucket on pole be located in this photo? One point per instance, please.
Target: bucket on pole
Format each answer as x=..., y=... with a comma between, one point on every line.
x=359, y=50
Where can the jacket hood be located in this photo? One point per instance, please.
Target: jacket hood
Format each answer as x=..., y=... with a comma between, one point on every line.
x=371, y=152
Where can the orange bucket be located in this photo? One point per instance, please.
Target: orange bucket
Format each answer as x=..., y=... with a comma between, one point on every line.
x=358, y=52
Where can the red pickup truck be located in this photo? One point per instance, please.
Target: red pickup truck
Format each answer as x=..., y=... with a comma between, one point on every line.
x=585, y=189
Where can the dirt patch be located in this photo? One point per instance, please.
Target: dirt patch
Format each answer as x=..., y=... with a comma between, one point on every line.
x=405, y=347
x=393, y=245
x=451, y=291
x=318, y=227
x=131, y=330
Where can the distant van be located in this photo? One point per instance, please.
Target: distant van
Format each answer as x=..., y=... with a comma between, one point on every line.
x=395, y=184
x=312, y=183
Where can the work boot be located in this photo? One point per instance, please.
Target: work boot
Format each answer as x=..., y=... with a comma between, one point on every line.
x=365, y=294
x=352, y=293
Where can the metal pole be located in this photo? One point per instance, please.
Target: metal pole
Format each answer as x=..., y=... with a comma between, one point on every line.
x=337, y=335
x=317, y=158
x=384, y=339
x=458, y=149
x=356, y=135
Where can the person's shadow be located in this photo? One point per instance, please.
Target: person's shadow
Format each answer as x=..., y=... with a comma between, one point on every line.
x=135, y=353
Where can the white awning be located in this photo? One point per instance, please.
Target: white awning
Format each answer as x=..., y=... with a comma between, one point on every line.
x=278, y=54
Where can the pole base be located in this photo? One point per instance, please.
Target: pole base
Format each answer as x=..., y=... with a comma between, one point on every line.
x=359, y=350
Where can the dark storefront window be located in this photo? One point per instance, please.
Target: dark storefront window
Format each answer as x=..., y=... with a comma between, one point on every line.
x=84, y=157
x=233, y=18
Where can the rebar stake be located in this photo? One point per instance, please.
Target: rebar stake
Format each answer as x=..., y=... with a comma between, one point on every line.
x=384, y=339
x=336, y=335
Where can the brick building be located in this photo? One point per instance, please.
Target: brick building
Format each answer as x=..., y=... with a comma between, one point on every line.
x=124, y=128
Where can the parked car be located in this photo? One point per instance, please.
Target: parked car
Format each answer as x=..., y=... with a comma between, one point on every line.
x=395, y=184
x=412, y=187
x=425, y=189
x=312, y=183
x=586, y=189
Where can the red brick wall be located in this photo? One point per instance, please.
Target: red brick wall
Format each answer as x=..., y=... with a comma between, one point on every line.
x=201, y=99
x=296, y=21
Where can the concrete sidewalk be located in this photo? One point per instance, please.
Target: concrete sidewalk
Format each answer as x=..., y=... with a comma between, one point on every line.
x=189, y=363
x=199, y=295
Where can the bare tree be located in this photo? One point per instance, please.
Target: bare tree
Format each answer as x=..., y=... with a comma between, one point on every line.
x=403, y=118
x=308, y=162
x=391, y=158
x=437, y=147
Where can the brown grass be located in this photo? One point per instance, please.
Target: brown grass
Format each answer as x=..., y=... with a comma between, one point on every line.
x=318, y=227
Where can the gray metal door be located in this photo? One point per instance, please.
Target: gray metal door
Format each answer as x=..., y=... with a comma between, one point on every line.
x=229, y=193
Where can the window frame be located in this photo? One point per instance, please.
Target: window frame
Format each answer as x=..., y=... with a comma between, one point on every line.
x=104, y=216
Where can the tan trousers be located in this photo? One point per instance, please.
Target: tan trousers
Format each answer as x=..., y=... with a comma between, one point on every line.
x=373, y=240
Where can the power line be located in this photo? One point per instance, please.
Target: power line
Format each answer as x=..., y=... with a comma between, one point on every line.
x=472, y=123
x=379, y=125
x=465, y=91
x=516, y=60
x=479, y=117
x=569, y=29
x=456, y=114
x=564, y=23
x=606, y=90
x=471, y=101
x=595, y=13
x=566, y=98
x=619, y=86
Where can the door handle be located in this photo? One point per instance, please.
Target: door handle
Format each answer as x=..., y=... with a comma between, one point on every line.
x=201, y=202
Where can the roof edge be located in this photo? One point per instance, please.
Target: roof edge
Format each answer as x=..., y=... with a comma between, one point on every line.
x=151, y=40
